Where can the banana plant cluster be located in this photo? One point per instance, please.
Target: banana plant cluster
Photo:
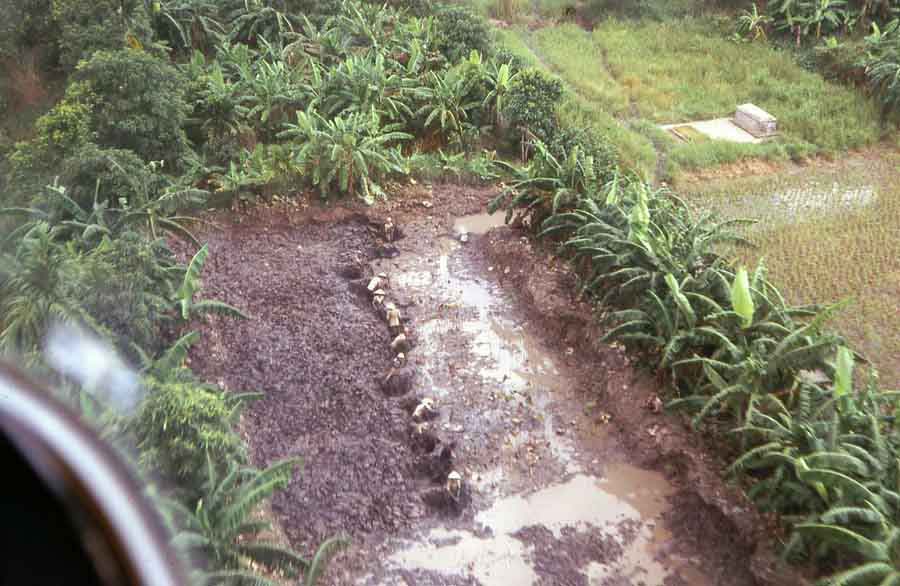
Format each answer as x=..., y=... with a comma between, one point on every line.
x=352, y=97
x=814, y=18
x=742, y=360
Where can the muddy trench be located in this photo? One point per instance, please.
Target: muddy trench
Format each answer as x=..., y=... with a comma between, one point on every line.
x=570, y=475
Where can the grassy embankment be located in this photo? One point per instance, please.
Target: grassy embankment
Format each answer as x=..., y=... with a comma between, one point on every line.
x=627, y=77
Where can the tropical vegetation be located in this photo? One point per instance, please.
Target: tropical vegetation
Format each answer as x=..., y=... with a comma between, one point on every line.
x=172, y=105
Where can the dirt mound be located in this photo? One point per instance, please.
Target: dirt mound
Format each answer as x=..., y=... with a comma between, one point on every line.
x=316, y=348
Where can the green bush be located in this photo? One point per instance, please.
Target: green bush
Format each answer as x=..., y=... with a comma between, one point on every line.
x=138, y=103
x=87, y=26
x=348, y=154
x=532, y=101
x=107, y=176
x=57, y=134
x=179, y=424
x=589, y=144
x=460, y=31
x=127, y=283
x=26, y=23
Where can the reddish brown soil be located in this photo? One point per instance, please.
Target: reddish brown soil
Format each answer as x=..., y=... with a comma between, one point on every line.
x=315, y=348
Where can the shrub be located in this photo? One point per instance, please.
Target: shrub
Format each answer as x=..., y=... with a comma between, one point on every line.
x=126, y=283
x=532, y=101
x=58, y=134
x=460, y=31
x=589, y=144
x=25, y=23
x=137, y=104
x=347, y=154
x=413, y=7
x=317, y=11
x=108, y=176
x=179, y=424
x=88, y=26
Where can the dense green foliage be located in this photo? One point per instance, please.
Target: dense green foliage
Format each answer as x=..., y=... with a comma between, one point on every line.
x=854, y=40
x=181, y=422
x=169, y=100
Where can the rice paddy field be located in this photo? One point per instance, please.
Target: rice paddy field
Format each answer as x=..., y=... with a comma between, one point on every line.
x=827, y=232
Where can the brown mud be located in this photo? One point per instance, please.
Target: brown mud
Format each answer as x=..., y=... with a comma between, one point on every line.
x=569, y=477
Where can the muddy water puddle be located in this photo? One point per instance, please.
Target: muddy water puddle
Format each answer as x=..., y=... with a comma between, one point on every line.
x=478, y=223
x=538, y=486
x=625, y=506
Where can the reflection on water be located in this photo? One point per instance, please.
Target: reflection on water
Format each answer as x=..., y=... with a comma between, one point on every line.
x=625, y=496
x=479, y=223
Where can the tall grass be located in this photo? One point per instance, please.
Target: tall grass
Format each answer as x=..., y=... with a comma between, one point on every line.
x=568, y=49
x=685, y=70
x=578, y=110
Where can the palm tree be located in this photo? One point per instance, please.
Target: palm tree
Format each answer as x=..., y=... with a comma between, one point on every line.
x=36, y=290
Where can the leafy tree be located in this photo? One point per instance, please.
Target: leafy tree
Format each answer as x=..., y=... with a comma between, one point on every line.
x=115, y=177
x=58, y=134
x=138, y=103
x=460, y=31
x=179, y=423
x=26, y=23
x=88, y=26
x=531, y=105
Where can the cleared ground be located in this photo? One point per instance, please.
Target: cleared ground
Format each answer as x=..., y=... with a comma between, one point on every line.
x=569, y=478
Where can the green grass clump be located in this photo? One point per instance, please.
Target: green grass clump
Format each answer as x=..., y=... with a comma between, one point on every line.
x=685, y=70
x=568, y=49
x=512, y=39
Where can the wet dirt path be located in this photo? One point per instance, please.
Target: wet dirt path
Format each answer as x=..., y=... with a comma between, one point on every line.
x=552, y=498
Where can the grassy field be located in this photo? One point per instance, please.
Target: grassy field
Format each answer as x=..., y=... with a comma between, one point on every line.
x=685, y=70
x=577, y=109
x=630, y=75
x=829, y=232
